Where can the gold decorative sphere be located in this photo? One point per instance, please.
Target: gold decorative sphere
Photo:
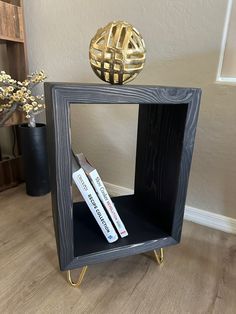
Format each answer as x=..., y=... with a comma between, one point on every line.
x=117, y=53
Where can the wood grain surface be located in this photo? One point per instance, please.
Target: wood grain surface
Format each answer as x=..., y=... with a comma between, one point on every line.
x=166, y=132
x=11, y=22
x=198, y=275
x=144, y=233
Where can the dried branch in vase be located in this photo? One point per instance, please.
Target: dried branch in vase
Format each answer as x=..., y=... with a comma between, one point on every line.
x=16, y=95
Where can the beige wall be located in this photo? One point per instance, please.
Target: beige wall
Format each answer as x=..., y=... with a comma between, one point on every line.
x=183, y=41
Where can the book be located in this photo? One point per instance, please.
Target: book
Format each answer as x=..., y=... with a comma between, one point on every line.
x=94, y=204
x=102, y=193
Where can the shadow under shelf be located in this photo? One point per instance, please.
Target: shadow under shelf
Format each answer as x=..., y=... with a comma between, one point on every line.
x=144, y=233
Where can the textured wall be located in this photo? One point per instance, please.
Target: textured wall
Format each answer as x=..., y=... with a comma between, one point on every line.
x=183, y=41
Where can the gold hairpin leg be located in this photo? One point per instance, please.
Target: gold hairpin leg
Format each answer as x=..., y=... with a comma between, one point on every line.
x=159, y=256
x=81, y=277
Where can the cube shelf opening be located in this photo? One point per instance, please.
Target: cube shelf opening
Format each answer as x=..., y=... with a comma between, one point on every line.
x=153, y=215
x=89, y=239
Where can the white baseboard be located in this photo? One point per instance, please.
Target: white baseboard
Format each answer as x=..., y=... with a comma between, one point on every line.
x=209, y=219
x=196, y=215
x=116, y=190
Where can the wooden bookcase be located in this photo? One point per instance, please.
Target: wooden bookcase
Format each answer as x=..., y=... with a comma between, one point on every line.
x=12, y=34
x=153, y=215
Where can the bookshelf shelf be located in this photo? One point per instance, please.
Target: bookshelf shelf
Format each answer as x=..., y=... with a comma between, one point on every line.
x=12, y=35
x=11, y=22
x=153, y=215
x=144, y=233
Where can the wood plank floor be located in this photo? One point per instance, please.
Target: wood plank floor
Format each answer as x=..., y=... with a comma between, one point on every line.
x=198, y=276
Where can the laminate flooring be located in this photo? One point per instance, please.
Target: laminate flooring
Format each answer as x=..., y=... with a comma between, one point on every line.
x=198, y=275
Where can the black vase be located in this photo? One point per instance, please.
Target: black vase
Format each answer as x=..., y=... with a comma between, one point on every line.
x=35, y=159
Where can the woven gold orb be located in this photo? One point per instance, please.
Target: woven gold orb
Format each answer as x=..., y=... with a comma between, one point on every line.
x=117, y=53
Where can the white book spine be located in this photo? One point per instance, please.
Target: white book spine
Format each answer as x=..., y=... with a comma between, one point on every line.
x=107, y=202
x=94, y=205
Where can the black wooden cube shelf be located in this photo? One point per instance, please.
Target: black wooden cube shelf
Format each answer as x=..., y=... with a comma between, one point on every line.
x=153, y=215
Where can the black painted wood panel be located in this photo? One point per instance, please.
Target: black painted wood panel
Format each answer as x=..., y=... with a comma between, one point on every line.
x=159, y=148
x=166, y=131
x=89, y=241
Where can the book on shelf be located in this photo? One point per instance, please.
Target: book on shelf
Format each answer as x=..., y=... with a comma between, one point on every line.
x=94, y=204
x=102, y=193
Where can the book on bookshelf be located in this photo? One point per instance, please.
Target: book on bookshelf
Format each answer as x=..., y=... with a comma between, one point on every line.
x=102, y=193
x=94, y=204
